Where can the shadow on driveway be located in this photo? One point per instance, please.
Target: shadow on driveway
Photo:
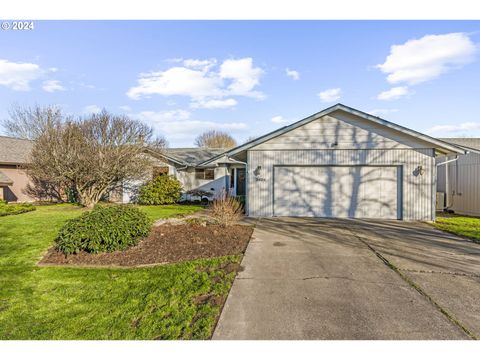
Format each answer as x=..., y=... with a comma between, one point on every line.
x=317, y=279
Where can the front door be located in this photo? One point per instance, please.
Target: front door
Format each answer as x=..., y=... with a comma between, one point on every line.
x=240, y=182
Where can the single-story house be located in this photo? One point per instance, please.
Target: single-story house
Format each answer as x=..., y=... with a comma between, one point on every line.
x=185, y=165
x=458, y=181
x=339, y=162
x=13, y=178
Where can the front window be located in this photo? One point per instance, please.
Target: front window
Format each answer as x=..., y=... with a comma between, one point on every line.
x=204, y=174
x=159, y=170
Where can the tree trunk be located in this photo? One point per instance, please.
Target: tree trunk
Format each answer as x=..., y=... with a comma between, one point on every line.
x=90, y=197
x=86, y=200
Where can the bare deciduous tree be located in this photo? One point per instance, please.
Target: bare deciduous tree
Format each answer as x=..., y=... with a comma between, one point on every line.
x=93, y=154
x=29, y=122
x=215, y=139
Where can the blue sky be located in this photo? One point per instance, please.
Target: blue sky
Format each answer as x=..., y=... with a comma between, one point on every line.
x=248, y=77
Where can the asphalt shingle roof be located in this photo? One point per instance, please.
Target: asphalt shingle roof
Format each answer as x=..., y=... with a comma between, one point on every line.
x=14, y=151
x=473, y=143
x=193, y=156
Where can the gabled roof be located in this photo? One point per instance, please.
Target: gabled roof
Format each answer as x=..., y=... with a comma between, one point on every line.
x=440, y=145
x=188, y=156
x=469, y=144
x=14, y=150
x=5, y=180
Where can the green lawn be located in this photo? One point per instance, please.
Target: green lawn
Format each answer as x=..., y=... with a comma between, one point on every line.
x=156, y=212
x=75, y=303
x=468, y=226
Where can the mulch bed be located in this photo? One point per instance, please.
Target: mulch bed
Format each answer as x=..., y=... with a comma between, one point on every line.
x=165, y=244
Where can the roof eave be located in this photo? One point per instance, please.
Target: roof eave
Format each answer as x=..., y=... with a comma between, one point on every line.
x=167, y=157
x=439, y=144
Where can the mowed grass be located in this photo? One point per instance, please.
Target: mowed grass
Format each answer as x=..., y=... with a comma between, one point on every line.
x=467, y=226
x=165, y=211
x=77, y=303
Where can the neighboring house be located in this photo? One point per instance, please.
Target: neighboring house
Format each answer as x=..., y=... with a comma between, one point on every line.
x=459, y=178
x=13, y=179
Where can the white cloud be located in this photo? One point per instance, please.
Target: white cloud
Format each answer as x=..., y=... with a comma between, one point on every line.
x=278, y=120
x=295, y=75
x=203, y=65
x=378, y=112
x=163, y=116
x=243, y=75
x=17, y=76
x=394, y=93
x=179, y=127
x=214, y=104
x=177, y=81
x=91, y=109
x=52, y=86
x=452, y=129
x=330, y=95
x=125, y=108
x=202, y=81
x=423, y=59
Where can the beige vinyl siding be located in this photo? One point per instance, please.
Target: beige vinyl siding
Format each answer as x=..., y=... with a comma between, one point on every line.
x=189, y=182
x=340, y=130
x=417, y=190
x=464, y=184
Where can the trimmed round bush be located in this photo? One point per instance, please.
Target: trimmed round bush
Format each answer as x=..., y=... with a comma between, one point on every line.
x=161, y=190
x=104, y=229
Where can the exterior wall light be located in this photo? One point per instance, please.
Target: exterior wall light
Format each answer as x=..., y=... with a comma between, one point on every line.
x=258, y=173
x=419, y=170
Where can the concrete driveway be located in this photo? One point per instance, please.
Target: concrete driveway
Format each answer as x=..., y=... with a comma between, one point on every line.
x=351, y=279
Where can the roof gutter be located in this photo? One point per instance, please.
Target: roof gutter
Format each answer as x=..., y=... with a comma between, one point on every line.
x=236, y=161
x=448, y=161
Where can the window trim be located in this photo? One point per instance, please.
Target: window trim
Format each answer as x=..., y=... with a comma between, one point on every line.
x=201, y=174
x=160, y=170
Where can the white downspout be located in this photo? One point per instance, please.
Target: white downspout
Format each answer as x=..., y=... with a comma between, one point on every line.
x=448, y=203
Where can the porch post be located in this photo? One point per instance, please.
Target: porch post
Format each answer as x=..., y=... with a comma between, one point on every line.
x=235, y=181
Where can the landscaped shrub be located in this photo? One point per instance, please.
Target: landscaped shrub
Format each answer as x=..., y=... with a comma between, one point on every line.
x=226, y=210
x=161, y=190
x=14, y=209
x=104, y=229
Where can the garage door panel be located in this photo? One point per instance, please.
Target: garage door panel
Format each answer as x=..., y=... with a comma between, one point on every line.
x=336, y=191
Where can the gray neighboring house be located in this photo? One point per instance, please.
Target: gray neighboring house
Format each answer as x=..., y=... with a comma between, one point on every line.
x=13, y=179
x=459, y=178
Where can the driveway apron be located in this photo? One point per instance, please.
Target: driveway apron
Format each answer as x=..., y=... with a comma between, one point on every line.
x=321, y=279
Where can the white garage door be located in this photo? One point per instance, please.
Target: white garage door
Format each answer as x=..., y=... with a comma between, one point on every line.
x=337, y=191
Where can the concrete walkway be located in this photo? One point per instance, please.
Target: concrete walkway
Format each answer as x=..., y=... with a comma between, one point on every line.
x=325, y=279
